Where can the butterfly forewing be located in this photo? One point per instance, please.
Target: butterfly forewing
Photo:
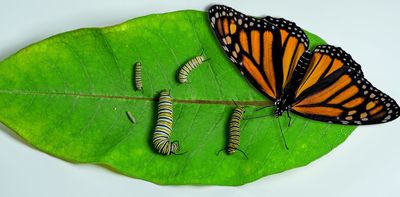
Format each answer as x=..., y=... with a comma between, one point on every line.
x=294, y=44
x=335, y=90
x=253, y=45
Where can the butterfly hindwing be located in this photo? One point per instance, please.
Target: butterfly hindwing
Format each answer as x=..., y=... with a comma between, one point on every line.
x=334, y=90
x=324, y=62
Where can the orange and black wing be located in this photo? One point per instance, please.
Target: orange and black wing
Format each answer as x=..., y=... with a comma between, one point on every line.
x=334, y=90
x=251, y=44
x=294, y=44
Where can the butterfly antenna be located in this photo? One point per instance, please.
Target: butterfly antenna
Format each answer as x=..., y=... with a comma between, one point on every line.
x=283, y=136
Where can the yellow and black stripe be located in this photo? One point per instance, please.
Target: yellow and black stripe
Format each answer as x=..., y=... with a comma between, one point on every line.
x=162, y=132
x=188, y=67
x=138, y=76
x=234, y=131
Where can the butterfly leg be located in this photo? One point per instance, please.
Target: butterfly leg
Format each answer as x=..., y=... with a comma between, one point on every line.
x=264, y=107
x=283, y=136
x=259, y=116
x=256, y=117
x=290, y=118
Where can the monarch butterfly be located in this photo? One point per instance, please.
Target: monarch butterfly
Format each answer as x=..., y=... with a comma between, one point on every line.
x=162, y=132
x=138, y=76
x=325, y=84
x=234, y=131
x=189, y=66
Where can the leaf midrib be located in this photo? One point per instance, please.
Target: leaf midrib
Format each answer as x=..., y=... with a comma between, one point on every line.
x=196, y=101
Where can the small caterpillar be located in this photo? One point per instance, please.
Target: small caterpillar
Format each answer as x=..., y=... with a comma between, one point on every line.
x=162, y=132
x=189, y=66
x=131, y=117
x=234, y=131
x=138, y=76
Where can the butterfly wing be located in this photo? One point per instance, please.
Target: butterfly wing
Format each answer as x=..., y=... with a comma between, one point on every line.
x=334, y=90
x=322, y=63
x=250, y=45
x=256, y=48
x=294, y=44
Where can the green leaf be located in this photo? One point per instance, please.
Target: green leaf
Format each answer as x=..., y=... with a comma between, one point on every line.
x=68, y=96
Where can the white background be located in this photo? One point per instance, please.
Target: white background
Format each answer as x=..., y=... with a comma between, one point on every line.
x=367, y=164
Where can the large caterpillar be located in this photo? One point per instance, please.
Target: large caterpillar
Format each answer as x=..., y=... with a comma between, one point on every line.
x=162, y=132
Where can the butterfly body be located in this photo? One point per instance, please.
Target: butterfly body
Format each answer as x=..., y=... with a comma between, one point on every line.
x=323, y=84
x=281, y=106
